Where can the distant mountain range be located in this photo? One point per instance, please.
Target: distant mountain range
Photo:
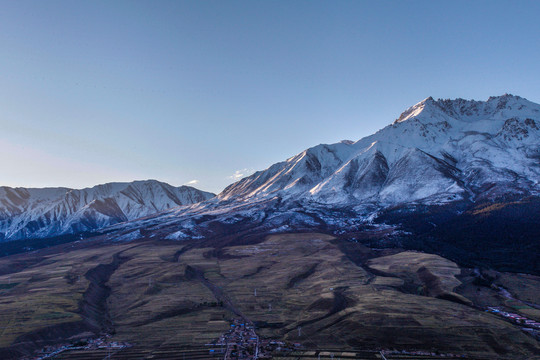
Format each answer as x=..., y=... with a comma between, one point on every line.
x=38, y=213
x=441, y=162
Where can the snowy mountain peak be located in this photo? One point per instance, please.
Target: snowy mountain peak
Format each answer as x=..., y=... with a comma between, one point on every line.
x=496, y=107
x=425, y=105
x=437, y=151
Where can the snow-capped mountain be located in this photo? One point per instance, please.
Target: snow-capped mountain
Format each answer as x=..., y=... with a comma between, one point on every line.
x=456, y=155
x=437, y=151
x=36, y=213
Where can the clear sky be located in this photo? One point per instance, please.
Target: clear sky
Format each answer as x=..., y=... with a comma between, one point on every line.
x=201, y=92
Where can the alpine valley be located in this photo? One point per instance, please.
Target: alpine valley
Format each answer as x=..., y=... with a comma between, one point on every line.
x=420, y=241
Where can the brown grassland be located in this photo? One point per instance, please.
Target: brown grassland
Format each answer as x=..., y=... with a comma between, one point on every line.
x=156, y=293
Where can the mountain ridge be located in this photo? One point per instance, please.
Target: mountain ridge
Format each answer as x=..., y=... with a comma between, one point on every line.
x=45, y=212
x=498, y=127
x=427, y=159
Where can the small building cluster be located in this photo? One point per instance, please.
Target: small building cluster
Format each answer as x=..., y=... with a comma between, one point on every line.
x=520, y=319
x=241, y=342
x=420, y=353
x=49, y=352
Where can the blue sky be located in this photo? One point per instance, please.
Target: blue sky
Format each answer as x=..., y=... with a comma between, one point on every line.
x=198, y=91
